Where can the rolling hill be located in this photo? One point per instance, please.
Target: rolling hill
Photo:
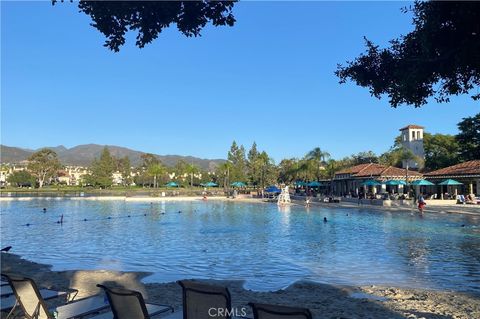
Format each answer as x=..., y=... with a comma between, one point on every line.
x=83, y=155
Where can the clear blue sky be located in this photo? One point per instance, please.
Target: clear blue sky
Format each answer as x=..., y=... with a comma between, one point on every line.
x=268, y=79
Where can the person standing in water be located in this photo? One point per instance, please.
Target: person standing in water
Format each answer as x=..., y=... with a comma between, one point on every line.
x=421, y=203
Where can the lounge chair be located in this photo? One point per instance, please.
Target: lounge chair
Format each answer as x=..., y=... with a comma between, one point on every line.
x=8, y=302
x=203, y=301
x=264, y=311
x=129, y=304
x=33, y=305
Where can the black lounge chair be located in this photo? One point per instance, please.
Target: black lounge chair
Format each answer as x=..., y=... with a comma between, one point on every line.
x=264, y=311
x=129, y=304
x=203, y=301
x=32, y=302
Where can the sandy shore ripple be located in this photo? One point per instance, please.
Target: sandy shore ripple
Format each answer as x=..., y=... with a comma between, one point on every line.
x=325, y=301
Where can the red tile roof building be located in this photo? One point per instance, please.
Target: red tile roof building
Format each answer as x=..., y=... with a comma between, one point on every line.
x=350, y=180
x=467, y=173
x=471, y=168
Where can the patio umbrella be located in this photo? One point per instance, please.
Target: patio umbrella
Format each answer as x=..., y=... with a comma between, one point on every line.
x=300, y=183
x=371, y=182
x=238, y=184
x=394, y=182
x=450, y=182
x=211, y=184
x=314, y=184
x=172, y=184
x=272, y=189
x=422, y=182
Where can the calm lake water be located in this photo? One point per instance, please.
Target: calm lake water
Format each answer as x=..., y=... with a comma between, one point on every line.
x=267, y=247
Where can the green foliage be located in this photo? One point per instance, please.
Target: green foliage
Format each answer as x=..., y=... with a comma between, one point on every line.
x=253, y=169
x=156, y=170
x=115, y=18
x=236, y=156
x=439, y=58
x=364, y=158
x=125, y=168
x=44, y=165
x=21, y=178
x=391, y=157
x=288, y=170
x=223, y=174
x=267, y=169
x=317, y=160
x=149, y=159
x=469, y=138
x=191, y=170
x=102, y=170
x=440, y=151
x=397, y=155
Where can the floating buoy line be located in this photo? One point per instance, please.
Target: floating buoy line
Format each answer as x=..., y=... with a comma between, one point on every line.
x=62, y=221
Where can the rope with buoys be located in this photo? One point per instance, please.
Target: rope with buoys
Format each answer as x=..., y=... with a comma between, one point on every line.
x=61, y=221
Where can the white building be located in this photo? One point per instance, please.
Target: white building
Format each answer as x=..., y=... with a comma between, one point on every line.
x=412, y=139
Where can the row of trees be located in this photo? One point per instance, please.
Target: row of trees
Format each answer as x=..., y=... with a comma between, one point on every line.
x=256, y=167
x=441, y=150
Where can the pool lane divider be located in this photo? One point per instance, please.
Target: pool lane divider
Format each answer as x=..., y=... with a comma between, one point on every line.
x=61, y=221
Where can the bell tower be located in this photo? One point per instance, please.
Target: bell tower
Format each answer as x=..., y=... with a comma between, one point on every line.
x=412, y=139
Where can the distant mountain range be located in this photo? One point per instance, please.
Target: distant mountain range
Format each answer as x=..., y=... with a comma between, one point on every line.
x=83, y=155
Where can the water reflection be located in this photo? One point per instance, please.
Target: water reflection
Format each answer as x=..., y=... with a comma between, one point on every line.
x=266, y=245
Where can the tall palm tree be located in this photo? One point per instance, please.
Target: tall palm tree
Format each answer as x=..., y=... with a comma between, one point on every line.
x=319, y=158
x=225, y=169
x=191, y=170
x=156, y=170
x=406, y=155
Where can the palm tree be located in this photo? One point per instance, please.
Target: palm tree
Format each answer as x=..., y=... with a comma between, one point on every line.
x=406, y=155
x=225, y=168
x=319, y=158
x=191, y=170
x=156, y=170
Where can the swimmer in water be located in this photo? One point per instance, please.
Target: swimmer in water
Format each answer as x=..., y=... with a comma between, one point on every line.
x=324, y=219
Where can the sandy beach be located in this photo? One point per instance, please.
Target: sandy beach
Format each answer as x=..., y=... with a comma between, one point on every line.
x=325, y=301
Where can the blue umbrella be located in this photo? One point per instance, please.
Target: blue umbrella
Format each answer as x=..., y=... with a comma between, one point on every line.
x=273, y=189
x=314, y=184
x=172, y=184
x=238, y=184
x=450, y=182
x=394, y=182
x=371, y=182
x=211, y=184
x=300, y=183
x=422, y=182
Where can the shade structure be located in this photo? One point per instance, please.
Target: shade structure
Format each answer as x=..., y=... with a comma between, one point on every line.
x=314, y=184
x=300, y=183
x=172, y=184
x=371, y=182
x=211, y=184
x=422, y=182
x=272, y=189
x=450, y=182
x=394, y=182
x=238, y=184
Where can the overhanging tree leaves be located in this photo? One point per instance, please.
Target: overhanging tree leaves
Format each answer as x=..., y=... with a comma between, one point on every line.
x=469, y=138
x=440, y=58
x=115, y=18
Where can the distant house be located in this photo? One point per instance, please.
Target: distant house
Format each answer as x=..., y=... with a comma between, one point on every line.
x=349, y=181
x=467, y=173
